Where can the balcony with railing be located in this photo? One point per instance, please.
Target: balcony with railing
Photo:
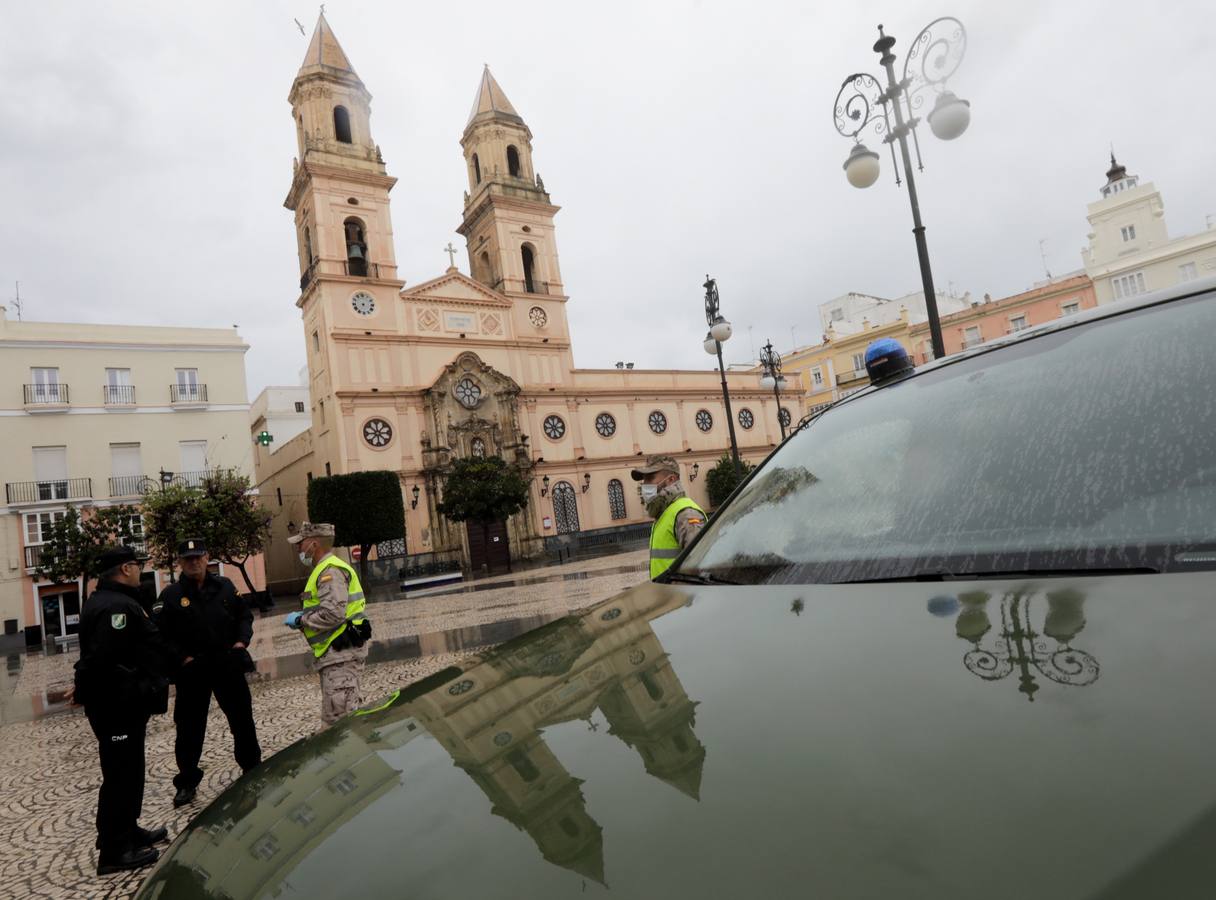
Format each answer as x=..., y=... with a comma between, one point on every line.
x=850, y=376
x=193, y=479
x=360, y=269
x=118, y=394
x=129, y=485
x=187, y=394
x=46, y=397
x=33, y=556
x=28, y=492
x=969, y=342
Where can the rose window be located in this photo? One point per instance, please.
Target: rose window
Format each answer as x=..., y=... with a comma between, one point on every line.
x=704, y=420
x=746, y=419
x=538, y=317
x=657, y=421
x=377, y=432
x=605, y=425
x=554, y=427
x=468, y=393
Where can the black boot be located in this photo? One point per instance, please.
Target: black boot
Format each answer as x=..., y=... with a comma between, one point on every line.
x=183, y=796
x=145, y=837
x=135, y=858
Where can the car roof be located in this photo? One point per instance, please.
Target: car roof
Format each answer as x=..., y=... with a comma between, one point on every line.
x=1084, y=317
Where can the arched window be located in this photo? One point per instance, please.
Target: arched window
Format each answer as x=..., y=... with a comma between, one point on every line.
x=476, y=170
x=356, y=247
x=342, y=124
x=523, y=766
x=529, y=283
x=616, y=499
x=487, y=271
x=653, y=689
x=513, y=162
x=307, y=246
x=565, y=508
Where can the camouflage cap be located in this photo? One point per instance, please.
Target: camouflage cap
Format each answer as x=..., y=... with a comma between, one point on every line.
x=656, y=464
x=312, y=530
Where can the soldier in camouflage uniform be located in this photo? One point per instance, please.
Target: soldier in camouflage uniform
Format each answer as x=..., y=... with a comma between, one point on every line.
x=332, y=620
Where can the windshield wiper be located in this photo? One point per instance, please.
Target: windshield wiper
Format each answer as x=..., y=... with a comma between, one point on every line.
x=697, y=578
x=1010, y=574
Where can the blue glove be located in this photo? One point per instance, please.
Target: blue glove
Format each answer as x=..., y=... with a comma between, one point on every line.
x=293, y=619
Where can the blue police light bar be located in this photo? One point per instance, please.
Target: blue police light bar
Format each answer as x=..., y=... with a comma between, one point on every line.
x=886, y=359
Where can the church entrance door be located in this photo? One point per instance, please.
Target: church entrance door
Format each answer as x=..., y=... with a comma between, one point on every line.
x=489, y=546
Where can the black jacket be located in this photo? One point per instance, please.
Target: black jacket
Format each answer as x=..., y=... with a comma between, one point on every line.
x=204, y=622
x=123, y=657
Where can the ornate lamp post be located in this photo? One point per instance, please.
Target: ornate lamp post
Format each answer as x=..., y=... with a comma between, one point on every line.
x=770, y=362
x=932, y=58
x=719, y=331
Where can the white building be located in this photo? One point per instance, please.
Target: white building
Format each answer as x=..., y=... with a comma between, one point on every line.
x=852, y=313
x=282, y=411
x=92, y=415
x=1130, y=251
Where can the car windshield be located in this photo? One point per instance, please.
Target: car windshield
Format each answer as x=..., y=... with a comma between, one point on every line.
x=1090, y=448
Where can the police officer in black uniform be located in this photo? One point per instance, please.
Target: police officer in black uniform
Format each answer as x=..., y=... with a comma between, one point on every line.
x=209, y=627
x=121, y=680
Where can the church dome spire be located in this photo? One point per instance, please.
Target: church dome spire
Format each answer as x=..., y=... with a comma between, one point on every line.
x=1117, y=179
x=324, y=52
x=491, y=103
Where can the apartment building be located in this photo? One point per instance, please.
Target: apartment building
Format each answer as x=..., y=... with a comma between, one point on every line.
x=92, y=416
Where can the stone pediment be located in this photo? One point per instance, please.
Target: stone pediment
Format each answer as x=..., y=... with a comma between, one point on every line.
x=455, y=288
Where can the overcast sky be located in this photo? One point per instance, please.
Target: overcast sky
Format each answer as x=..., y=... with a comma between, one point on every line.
x=147, y=151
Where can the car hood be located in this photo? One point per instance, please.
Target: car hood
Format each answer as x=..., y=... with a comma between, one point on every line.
x=1015, y=739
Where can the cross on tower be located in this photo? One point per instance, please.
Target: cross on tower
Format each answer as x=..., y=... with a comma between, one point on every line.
x=451, y=252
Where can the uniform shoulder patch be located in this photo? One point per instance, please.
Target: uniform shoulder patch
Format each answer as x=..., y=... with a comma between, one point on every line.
x=118, y=621
x=695, y=520
x=326, y=578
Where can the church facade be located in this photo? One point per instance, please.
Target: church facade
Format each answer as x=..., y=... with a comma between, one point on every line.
x=409, y=379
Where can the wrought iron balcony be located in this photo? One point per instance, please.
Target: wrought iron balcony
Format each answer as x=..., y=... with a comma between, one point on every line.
x=33, y=556
x=129, y=485
x=188, y=393
x=193, y=479
x=118, y=394
x=46, y=395
x=16, y=492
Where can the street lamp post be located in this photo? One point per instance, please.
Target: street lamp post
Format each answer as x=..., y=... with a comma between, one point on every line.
x=719, y=331
x=932, y=58
x=770, y=362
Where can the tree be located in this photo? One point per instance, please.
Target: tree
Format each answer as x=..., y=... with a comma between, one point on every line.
x=221, y=512
x=365, y=508
x=724, y=478
x=73, y=547
x=483, y=490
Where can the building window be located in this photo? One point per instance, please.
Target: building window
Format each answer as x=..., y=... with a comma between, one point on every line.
x=1188, y=272
x=513, y=162
x=327, y=472
x=308, y=475
x=528, y=259
x=265, y=847
x=1067, y=309
x=817, y=377
x=377, y=432
x=554, y=427
x=783, y=416
x=321, y=410
x=1128, y=232
x=126, y=470
x=1018, y=323
x=476, y=170
x=746, y=419
x=278, y=492
x=193, y=456
x=342, y=124
x=118, y=387
x=1129, y=285
x=704, y=420
x=46, y=387
x=605, y=425
x=657, y=422
x=299, y=406
x=972, y=336
x=316, y=344
x=565, y=508
x=859, y=362
x=837, y=314
x=38, y=526
x=616, y=499
x=303, y=815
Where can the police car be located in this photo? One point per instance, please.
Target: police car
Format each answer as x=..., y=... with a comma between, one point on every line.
x=953, y=638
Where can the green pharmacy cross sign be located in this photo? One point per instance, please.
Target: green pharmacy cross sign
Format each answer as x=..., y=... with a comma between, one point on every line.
x=264, y=438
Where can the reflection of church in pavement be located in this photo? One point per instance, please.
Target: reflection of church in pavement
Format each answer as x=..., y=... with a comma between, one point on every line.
x=489, y=717
x=490, y=720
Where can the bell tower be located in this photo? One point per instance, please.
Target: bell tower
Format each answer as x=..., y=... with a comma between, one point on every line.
x=508, y=217
x=340, y=197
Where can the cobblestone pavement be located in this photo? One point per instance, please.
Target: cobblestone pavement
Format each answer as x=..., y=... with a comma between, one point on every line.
x=48, y=766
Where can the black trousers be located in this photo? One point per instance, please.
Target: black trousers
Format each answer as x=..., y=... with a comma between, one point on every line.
x=120, y=744
x=195, y=684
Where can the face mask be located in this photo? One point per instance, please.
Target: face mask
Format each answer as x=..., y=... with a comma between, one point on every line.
x=305, y=558
x=649, y=492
